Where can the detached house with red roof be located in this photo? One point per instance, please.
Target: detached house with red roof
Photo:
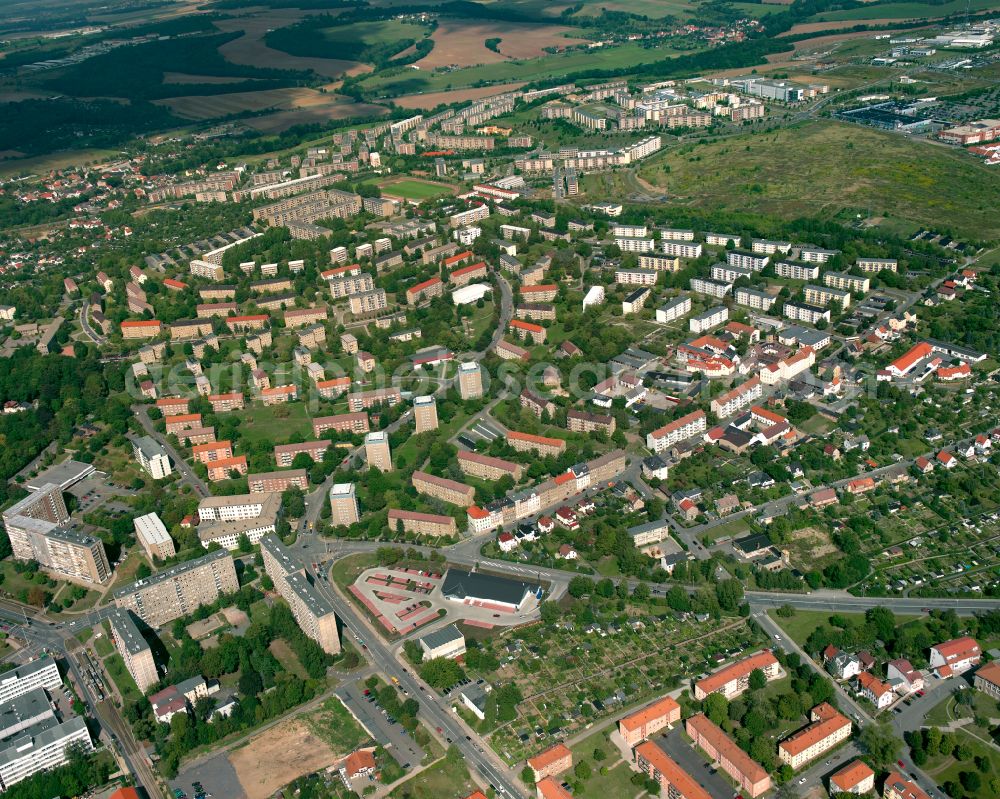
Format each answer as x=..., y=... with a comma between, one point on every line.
x=955, y=656
x=923, y=465
x=856, y=777
x=947, y=460
x=874, y=690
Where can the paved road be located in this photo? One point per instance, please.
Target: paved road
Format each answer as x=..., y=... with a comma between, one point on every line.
x=187, y=473
x=92, y=334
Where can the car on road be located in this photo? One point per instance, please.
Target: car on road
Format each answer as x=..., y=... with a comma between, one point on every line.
x=900, y=764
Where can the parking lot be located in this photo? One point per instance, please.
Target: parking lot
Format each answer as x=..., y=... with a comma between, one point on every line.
x=691, y=760
x=216, y=776
x=391, y=735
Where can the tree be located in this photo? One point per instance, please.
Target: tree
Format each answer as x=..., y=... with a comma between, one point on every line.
x=757, y=680
x=549, y=611
x=716, y=707
x=582, y=770
x=881, y=743
x=244, y=544
x=730, y=594
x=580, y=586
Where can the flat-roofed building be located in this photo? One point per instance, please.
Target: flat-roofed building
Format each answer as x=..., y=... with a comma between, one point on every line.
x=344, y=510
x=43, y=746
x=268, y=482
x=134, y=649
x=312, y=611
x=828, y=728
x=470, y=380
x=422, y=523
x=734, y=679
x=152, y=457
x=224, y=520
x=377, y=454
x=751, y=777
x=649, y=720
x=177, y=591
x=448, y=642
x=153, y=536
x=39, y=673
x=674, y=782
x=25, y=711
x=425, y=415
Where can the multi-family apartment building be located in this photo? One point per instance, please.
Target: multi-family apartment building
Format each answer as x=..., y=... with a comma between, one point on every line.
x=527, y=442
x=363, y=400
x=151, y=456
x=224, y=520
x=586, y=422
x=752, y=298
x=449, y=491
x=647, y=721
x=470, y=380
x=42, y=746
x=675, y=309
x=134, y=649
x=422, y=523
x=729, y=274
x=816, y=255
x=277, y=482
x=636, y=277
x=535, y=311
x=796, y=271
x=177, y=591
x=680, y=249
x=141, y=328
x=153, y=536
x=706, y=320
x=749, y=775
x=344, y=509
x=425, y=415
x=821, y=296
x=527, y=331
x=876, y=264
x=487, y=467
x=636, y=301
x=828, y=728
x=713, y=288
x=554, y=760
x=674, y=782
x=284, y=454
x=377, y=453
x=312, y=611
x=681, y=429
x=35, y=527
x=847, y=282
x=747, y=259
x=351, y=284
x=735, y=400
x=661, y=263
x=803, y=312
x=734, y=679
x=341, y=423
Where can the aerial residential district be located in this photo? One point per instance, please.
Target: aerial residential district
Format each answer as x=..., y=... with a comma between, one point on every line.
x=547, y=441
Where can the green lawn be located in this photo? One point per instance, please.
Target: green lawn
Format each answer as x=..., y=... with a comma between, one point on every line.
x=907, y=10
x=891, y=175
x=446, y=778
x=336, y=726
x=123, y=680
x=617, y=782
x=416, y=189
x=947, y=769
x=800, y=626
x=104, y=646
x=276, y=422
x=733, y=529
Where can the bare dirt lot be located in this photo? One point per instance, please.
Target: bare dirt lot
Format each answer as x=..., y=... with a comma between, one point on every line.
x=276, y=757
x=810, y=546
x=433, y=99
x=464, y=44
x=250, y=48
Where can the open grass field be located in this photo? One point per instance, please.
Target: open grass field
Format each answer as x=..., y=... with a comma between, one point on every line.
x=893, y=176
x=276, y=422
x=617, y=782
x=279, y=755
x=448, y=777
x=335, y=725
x=413, y=189
x=460, y=43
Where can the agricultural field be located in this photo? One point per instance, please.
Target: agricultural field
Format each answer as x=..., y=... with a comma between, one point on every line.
x=460, y=43
x=913, y=181
x=301, y=106
x=906, y=10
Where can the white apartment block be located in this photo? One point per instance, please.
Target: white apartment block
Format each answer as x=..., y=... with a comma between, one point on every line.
x=747, y=260
x=636, y=277
x=681, y=249
x=735, y=400
x=796, y=271
x=721, y=239
x=713, y=288
x=630, y=244
x=713, y=317
x=769, y=247
x=629, y=231
x=729, y=274
x=151, y=457
x=676, y=234
x=876, y=264
x=751, y=298
x=693, y=424
x=473, y=215
x=846, y=282
x=40, y=673
x=815, y=255
x=799, y=312
x=824, y=295
x=42, y=747
x=674, y=309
